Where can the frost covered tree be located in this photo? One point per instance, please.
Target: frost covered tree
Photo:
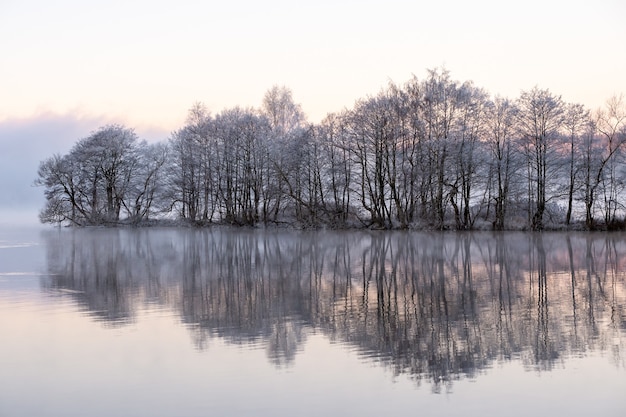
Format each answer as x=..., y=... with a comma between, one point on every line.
x=242, y=166
x=105, y=176
x=576, y=120
x=601, y=147
x=147, y=190
x=540, y=119
x=219, y=167
x=59, y=176
x=433, y=152
x=336, y=169
x=501, y=120
x=468, y=139
x=191, y=167
x=286, y=145
x=610, y=123
x=440, y=104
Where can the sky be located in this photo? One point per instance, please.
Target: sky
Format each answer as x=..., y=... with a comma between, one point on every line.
x=70, y=66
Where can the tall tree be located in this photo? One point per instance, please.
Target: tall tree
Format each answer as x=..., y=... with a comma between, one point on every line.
x=467, y=142
x=611, y=126
x=147, y=190
x=502, y=115
x=337, y=168
x=371, y=129
x=440, y=111
x=287, y=129
x=540, y=118
x=576, y=120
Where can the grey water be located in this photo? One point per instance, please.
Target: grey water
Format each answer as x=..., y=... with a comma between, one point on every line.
x=238, y=322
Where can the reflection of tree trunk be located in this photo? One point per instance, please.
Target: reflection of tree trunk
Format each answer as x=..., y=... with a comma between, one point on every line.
x=441, y=333
x=472, y=323
x=468, y=286
x=572, y=269
x=504, y=316
x=367, y=276
x=543, y=345
x=590, y=264
x=378, y=257
x=612, y=264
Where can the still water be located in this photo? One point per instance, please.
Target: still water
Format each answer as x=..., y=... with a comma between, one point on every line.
x=185, y=322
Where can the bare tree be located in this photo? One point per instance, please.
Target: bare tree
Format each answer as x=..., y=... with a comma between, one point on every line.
x=283, y=113
x=242, y=166
x=287, y=130
x=147, y=189
x=370, y=129
x=611, y=126
x=601, y=142
x=576, y=121
x=93, y=182
x=501, y=124
x=540, y=117
x=433, y=153
x=336, y=169
x=467, y=134
x=59, y=175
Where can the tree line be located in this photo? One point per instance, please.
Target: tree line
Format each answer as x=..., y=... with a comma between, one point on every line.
x=431, y=153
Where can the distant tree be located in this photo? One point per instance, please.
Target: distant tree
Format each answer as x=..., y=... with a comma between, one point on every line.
x=611, y=127
x=440, y=103
x=192, y=166
x=418, y=163
x=182, y=174
x=59, y=175
x=601, y=144
x=400, y=153
x=501, y=120
x=283, y=113
x=108, y=159
x=200, y=129
x=288, y=131
x=468, y=135
x=372, y=137
x=242, y=166
x=576, y=120
x=100, y=178
x=147, y=189
x=592, y=164
x=337, y=168
x=540, y=118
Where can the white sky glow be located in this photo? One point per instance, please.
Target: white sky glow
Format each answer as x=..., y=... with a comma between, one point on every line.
x=146, y=62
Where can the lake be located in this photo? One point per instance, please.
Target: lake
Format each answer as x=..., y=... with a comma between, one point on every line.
x=238, y=322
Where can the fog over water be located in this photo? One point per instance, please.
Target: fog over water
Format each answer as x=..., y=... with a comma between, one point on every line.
x=432, y=311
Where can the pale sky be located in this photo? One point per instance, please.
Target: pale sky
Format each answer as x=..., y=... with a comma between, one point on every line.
x=145, y=62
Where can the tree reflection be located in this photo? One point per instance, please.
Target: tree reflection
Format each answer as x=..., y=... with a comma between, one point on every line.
x=94, y=271
x=434, y=306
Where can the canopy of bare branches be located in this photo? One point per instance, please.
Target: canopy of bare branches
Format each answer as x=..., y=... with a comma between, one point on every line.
x=430, y=154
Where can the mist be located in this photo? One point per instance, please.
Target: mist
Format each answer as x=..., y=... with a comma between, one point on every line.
x=27, y=141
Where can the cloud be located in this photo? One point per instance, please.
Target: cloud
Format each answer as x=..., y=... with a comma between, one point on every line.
x=26, y=142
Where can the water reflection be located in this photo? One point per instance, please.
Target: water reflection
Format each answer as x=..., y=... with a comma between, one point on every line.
x=433, y=306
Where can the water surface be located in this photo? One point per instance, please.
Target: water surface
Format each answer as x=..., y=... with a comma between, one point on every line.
x=185, y=322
